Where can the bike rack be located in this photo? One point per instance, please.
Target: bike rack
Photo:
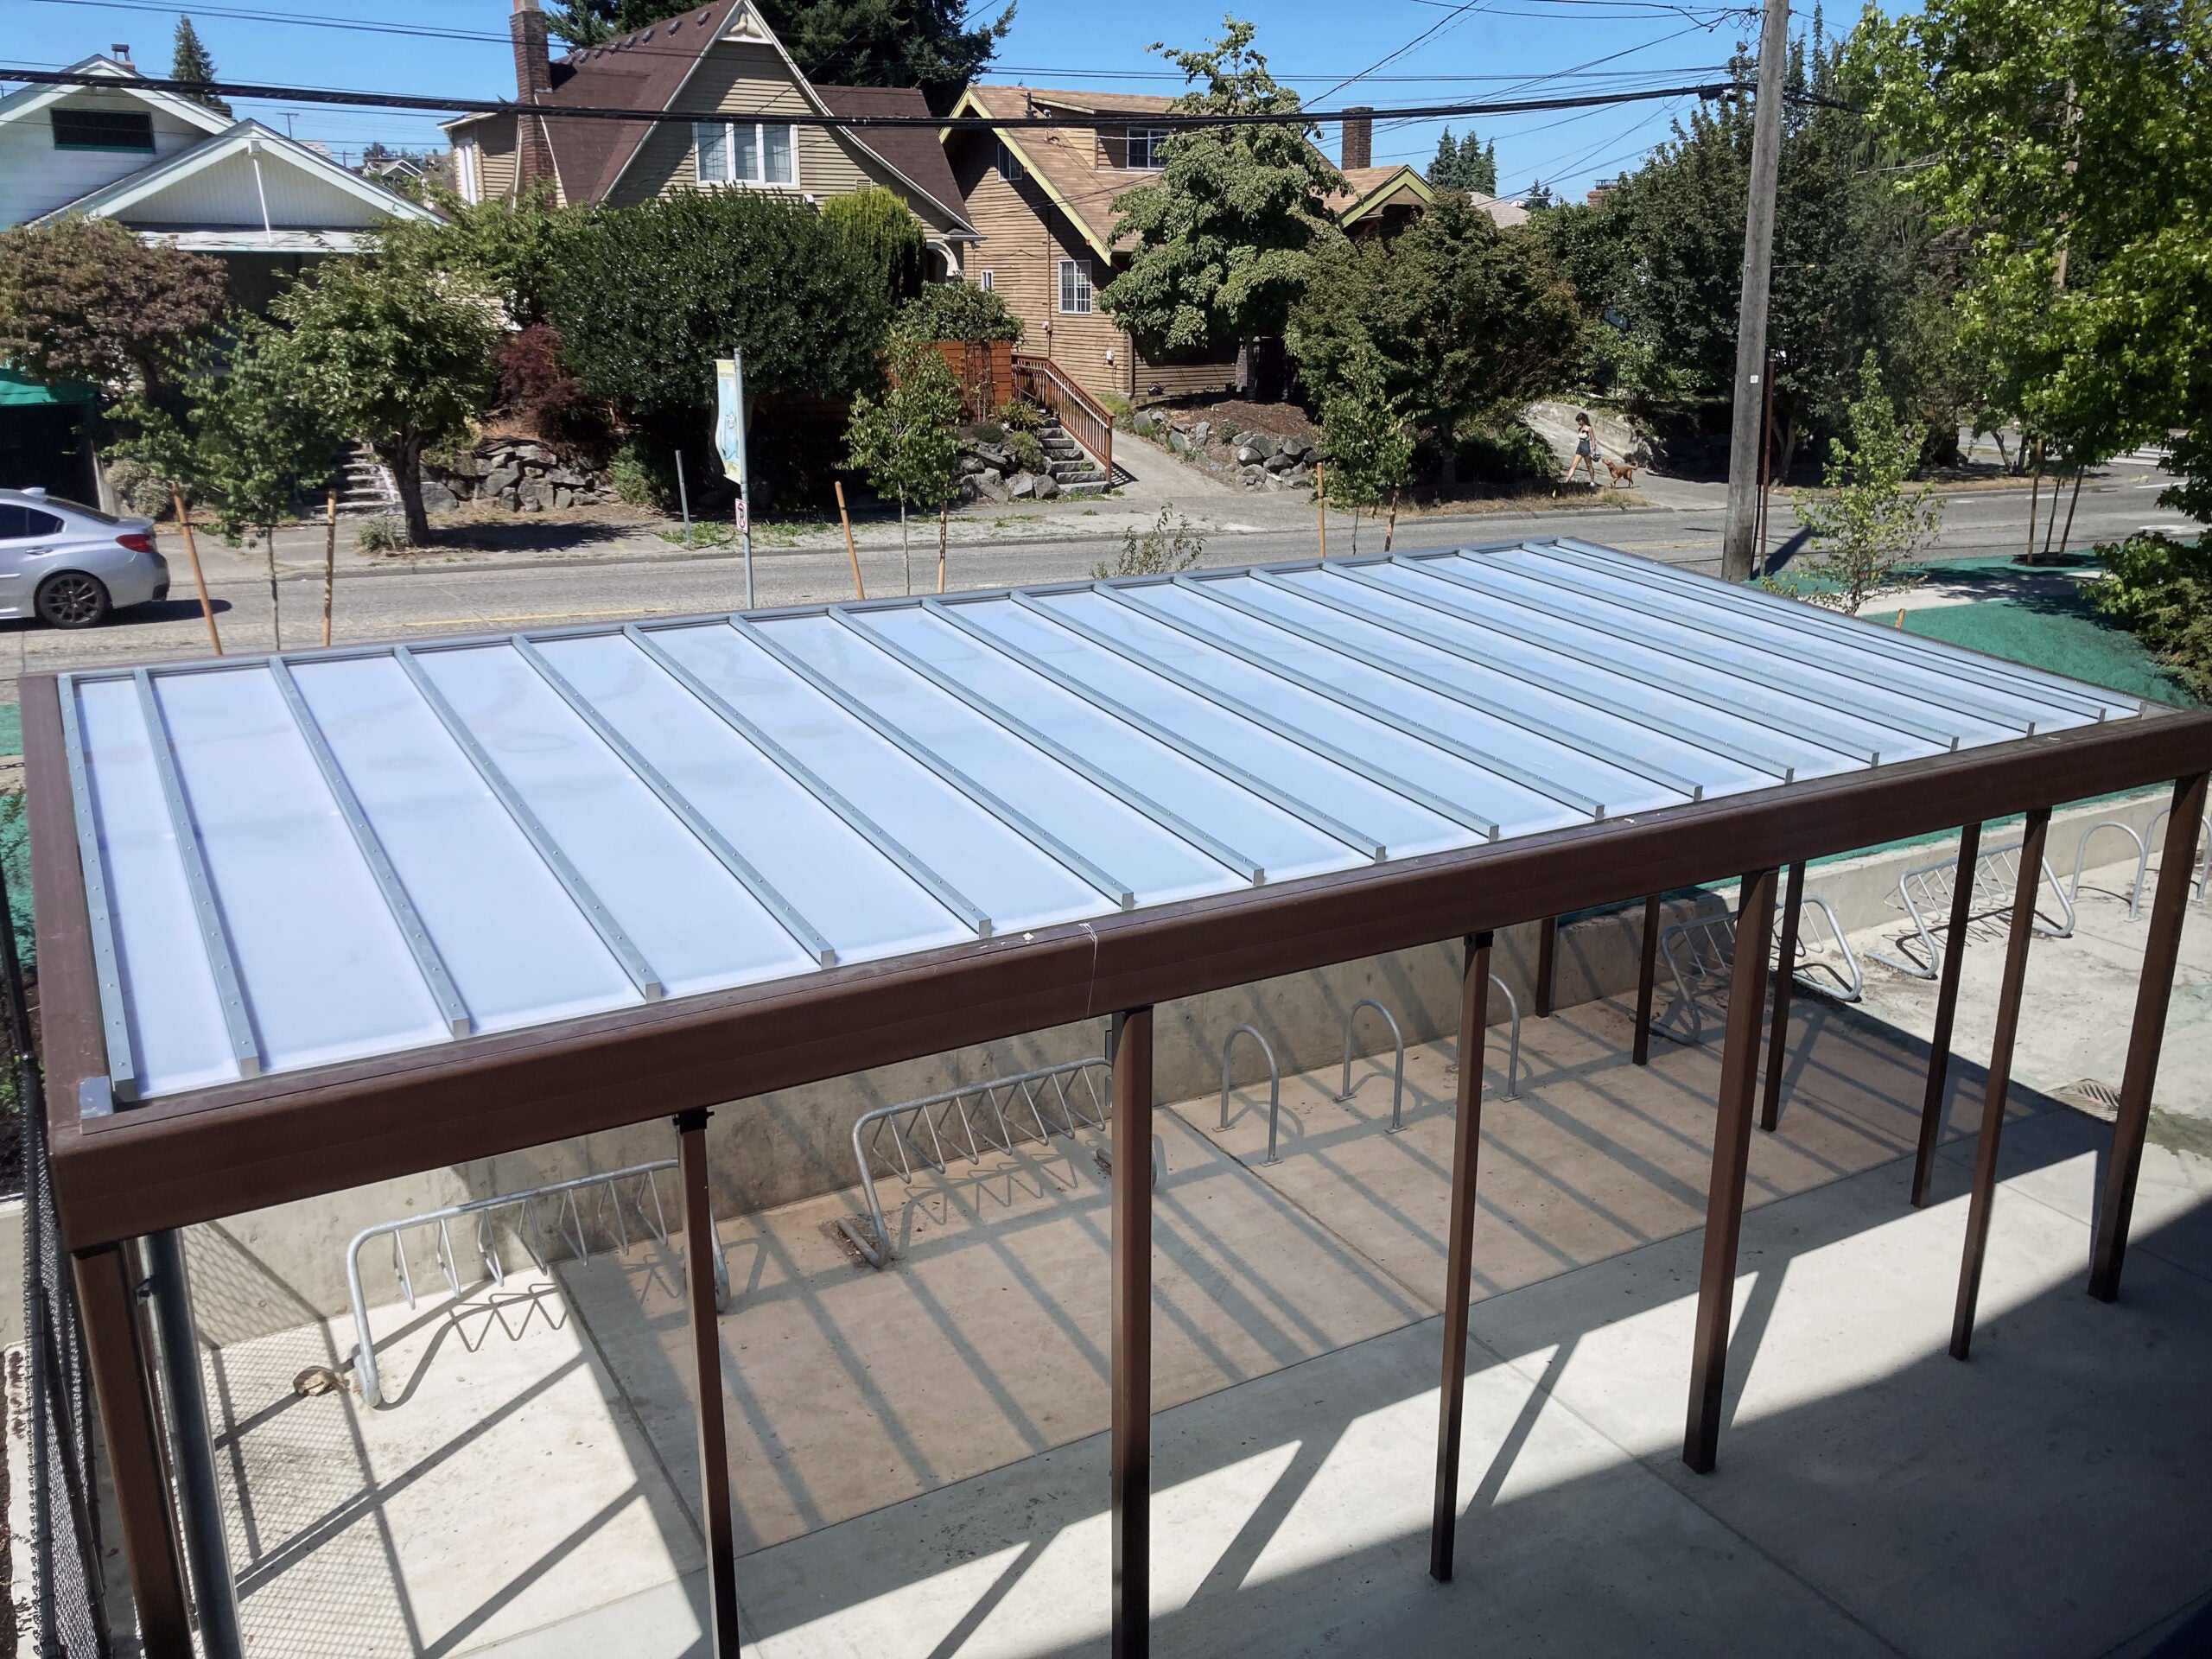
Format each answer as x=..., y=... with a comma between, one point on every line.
x=1275, y=1079
x=1513, y=1054
x=2204, y=867
x=1398, y=1070
x=1709, y=945
x=569, y=1221
x=938, y=1115
x=1926, y=890
x=2142, y=862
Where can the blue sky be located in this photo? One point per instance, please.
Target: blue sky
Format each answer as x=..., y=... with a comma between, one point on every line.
x=1489, y=49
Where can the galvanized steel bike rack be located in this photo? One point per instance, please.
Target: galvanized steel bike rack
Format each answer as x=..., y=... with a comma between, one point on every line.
x=1274, y=1080
x=2204, y=866
x=1702, y=952
x=569, y=1220
x=1398, y=1068
x=938, y=1113
x=2142, y=862
x=1925, y=891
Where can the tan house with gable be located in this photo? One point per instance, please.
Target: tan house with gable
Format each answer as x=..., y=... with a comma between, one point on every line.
x=1043, y=199
x=724, y=68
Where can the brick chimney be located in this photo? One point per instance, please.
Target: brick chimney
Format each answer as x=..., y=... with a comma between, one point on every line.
x=533, y=79
x=1358, y=144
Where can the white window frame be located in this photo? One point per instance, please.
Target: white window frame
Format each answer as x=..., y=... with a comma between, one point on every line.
x=987, y=281
x=1009, y=165
x=759, y=131
x=1076, y=291
x=1152, y=138
x=468, y=163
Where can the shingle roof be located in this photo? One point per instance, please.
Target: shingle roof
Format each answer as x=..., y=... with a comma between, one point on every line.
x=1085, y=193
x=913, y=152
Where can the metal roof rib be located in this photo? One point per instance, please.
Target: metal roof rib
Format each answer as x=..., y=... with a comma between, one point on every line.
x=1327, y=751
x=1303, y=811
x=804, y=776
x=1534, y=781
x=594, y=910
x=1644, y=717
x=1044, y=839
x=712, y=839
x=1683, y=787
x=123, y=1066
x=214, y=939
x=424, y=950
x=1167, y=818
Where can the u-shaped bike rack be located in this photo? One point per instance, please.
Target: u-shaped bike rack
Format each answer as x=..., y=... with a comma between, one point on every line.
x=1275, y=1081
x=1398, y=1068
x=2204, y=877
x=2142, y=861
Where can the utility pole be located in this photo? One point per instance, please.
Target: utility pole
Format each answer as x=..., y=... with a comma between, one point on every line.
x=1738, y=541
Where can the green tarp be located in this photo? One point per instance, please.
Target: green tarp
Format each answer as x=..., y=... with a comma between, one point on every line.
x=17, y=389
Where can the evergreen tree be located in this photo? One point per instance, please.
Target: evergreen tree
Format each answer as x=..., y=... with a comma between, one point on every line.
x=189, y=61
x=1465, y=164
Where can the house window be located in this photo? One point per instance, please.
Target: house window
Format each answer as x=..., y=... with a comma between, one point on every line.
x=1075, y=286
x=988, y=281
x=103, y=130
x=1147, y=149
x=1009, y=168
x=470, y=165
x=744, y=152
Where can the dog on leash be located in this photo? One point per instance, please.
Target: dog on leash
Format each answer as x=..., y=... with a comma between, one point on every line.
x=1623, y=473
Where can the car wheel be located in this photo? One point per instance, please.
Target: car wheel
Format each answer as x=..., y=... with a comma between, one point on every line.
x=72, y=600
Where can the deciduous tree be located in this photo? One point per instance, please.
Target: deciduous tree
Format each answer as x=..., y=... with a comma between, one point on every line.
x=904, y=441
x=83, y=299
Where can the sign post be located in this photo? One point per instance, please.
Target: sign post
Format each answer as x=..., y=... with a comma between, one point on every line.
x=729, y=442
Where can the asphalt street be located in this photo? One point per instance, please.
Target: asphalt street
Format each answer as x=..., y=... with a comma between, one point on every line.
x=632, y=578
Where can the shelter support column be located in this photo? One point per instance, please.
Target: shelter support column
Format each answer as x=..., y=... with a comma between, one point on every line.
x=1131, y=1312
x=707, y=1382
x=1731, y=1156
x=1947, y=1010
x=1459, y=1245
x=2000, y=1078
x=1547, y=964
x=2153, y=993
x=107, y=1294
x=1785, y=978
x=1647, y=978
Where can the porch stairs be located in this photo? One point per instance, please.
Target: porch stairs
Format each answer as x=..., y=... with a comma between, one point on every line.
x=1071, y=468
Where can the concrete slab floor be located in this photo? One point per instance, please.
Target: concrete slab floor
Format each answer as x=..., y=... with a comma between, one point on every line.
x=534, y=1489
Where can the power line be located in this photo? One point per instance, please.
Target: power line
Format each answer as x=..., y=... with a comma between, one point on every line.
x=1180, y=120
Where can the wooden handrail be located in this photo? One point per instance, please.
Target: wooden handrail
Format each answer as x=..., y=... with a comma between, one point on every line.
x=1081, y=415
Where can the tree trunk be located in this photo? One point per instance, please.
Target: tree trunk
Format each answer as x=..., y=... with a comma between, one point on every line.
x=405, y=460
x=905, y=553
x=276, y=615
x=1789, y=450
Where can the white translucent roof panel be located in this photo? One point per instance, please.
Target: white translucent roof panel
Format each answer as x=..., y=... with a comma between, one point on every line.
x=294, y=861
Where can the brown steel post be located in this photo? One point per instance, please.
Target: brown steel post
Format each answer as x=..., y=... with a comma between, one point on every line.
x=1732, y=1157
x=1459, y=1245
x=107, y=1296
x=199, y=575
x=707, y=1380
x=2151, y=994
x=1547, y=953
x=1647, y=978
x=2000, y=1078
x=1947, y=1009
x=1131, y=1312
x=1785, y=978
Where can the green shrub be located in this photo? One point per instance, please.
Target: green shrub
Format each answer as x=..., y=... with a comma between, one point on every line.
x=645, y=299
x=137, y=487
x=643, y=473
x=2161, y=591
x=1017, y=416
x=1161, y=550
x=882, y=231
x=1513, y=454
x=383, y=532
x=1027, y=450
x=956, y=311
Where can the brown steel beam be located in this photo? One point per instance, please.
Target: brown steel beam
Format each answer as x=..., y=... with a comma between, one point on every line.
x=1732, y=1157
x=1947, y=1011
x=2152, y=993
x=1131, y=1313
x=198, y=1156
x=2000, y=1077
x=715, y=1515
x=129, y=1423
x=1785, y=977
x=1647, y=978
x=1460, y=1251
x=1547, y=964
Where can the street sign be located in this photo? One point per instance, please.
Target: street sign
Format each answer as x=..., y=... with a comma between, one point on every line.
x=729, y=416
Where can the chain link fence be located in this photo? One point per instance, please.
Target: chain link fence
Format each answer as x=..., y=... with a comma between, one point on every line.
x=67, y=1621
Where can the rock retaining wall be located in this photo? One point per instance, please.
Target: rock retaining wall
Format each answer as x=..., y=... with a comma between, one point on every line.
x=520, y=475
